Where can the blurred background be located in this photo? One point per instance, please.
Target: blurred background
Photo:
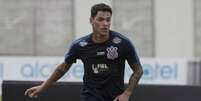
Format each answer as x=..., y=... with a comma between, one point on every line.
x=35, y=34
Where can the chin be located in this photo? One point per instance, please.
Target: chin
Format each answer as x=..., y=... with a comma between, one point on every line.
x=104, y=33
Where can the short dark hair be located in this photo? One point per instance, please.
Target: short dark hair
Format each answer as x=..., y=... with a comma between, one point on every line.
x=100, y=7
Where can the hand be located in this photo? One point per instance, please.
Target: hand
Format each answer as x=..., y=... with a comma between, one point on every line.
x=33, y=92
x=122, y=97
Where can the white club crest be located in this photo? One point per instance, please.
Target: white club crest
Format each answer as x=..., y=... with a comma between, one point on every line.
x=112, y=52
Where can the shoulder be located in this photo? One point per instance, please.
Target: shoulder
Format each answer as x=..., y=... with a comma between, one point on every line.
x=120, y=37
x=81, y=41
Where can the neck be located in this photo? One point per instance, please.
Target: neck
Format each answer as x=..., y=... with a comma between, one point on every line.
x=97, y=38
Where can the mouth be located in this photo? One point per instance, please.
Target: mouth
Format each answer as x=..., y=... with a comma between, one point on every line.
x=105, y=29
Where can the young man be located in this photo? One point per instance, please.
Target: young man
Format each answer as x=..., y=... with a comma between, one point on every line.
x=103, y=53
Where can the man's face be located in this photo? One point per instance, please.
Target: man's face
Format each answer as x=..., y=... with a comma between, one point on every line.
x=101, y=23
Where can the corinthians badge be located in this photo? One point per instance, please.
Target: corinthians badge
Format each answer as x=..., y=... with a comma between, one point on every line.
x=112, y=52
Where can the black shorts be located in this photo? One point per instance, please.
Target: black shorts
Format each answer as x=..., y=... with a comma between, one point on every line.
x=90, y=95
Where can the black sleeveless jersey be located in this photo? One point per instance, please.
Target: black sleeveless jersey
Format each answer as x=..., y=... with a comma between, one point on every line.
x=104, y=63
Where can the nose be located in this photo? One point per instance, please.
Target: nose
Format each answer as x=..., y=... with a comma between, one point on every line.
x=106, y=22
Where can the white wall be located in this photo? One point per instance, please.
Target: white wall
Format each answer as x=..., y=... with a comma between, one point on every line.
x=174, y=28
x=173, y=25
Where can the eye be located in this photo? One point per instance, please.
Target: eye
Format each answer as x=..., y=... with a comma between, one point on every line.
x=100, y=19
x=108, y=19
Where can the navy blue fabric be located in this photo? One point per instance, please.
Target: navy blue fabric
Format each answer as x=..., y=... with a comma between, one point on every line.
x=104, y=63
x=91, y=95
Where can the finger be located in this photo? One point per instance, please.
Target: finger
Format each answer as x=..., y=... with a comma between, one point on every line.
x=27, y=92
x=34, y=95
x=31, y=95
x=116, y=99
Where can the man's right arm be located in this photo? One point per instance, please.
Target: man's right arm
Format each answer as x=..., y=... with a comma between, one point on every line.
x=56, y=75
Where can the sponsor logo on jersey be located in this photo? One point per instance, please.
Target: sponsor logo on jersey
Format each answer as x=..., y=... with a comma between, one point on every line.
x=83, y=43
x=98, y=68
x=116, y=40
x=100, y=53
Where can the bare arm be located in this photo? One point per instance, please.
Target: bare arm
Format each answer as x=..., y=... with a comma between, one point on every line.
x=133, y=81
x=56, y=75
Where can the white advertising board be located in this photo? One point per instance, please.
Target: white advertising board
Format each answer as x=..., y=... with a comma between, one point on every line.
x=156, y=71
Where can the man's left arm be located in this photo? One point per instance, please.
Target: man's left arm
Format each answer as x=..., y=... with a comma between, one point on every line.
x=133, y=82
x=134, y=78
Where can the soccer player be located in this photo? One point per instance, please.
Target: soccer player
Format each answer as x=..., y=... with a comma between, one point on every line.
x=103, y=53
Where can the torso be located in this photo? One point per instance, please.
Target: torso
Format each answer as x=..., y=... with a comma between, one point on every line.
x=104, y=63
